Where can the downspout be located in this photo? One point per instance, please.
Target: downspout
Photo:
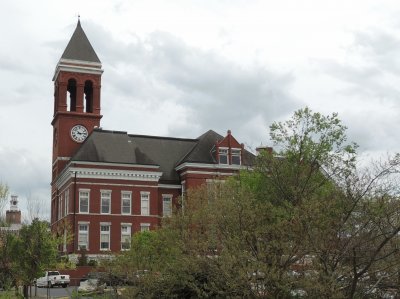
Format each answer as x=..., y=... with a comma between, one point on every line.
x=74, y=213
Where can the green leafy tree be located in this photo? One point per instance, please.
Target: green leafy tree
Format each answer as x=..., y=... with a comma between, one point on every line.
x=35, y=250
x=4, y=192
x=305, y=222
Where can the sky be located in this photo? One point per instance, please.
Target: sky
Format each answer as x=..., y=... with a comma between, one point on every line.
x=179, y=68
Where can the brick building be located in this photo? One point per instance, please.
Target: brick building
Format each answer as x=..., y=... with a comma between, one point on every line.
x=13, y=218
x=107, y=185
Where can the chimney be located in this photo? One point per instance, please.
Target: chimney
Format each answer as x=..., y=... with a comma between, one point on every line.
x=264, y=149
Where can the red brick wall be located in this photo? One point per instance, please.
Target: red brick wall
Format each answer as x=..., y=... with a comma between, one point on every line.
x=76, y=274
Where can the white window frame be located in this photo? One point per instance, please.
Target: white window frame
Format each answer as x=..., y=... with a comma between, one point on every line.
x=122, y=202
x=223, y=151
x=88, y=200
x=127, y=234
x=165, y=198
x=105, y=194
x=105, y=233
x=83, y=232
x=144, y=227
x=144, y=197
x=236, y=152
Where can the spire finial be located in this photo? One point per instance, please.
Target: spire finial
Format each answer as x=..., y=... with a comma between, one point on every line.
x=79, y=19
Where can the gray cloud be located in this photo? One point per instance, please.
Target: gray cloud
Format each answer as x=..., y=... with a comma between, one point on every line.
x=213, y=92
x=369, y=89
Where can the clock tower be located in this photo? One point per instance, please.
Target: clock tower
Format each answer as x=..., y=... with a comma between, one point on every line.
x=77, y=83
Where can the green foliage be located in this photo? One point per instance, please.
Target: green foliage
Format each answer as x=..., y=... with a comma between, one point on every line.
x=34, y=251
x=4, y=192
x=304, y=221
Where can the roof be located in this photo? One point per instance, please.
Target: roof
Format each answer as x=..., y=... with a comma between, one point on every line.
x=79, y=47
x=165, y=152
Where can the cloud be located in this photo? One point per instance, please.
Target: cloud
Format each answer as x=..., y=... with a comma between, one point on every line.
x=208, y=91
x=28, y=176
x=368, y=90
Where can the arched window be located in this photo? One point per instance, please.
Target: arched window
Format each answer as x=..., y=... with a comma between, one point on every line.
x=88, y=97
x=71, y=98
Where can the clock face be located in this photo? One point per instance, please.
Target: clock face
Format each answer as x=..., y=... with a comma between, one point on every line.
x=79, y=133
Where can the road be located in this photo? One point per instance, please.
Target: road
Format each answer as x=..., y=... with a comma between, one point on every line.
x=55, y=292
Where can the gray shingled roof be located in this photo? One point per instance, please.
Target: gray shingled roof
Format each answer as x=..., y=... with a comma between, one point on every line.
x=167, y=153
x=79, y=47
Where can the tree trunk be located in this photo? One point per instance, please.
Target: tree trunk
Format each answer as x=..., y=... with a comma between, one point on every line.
x=25, y=291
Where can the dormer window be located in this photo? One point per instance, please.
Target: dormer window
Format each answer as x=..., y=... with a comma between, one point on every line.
x=235, y=157
x=223, y=155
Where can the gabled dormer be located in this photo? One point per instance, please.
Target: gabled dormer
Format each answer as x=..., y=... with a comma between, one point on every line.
x=229, y=151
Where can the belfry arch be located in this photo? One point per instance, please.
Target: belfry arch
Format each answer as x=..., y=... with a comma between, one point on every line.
x=88, y=96
x=71, y=95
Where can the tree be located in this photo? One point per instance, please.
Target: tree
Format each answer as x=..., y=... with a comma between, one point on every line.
x=35, y=250
x=306, y=220
x=4, y=191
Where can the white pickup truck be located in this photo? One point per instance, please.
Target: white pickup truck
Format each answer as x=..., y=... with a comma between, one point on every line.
x=53, y=278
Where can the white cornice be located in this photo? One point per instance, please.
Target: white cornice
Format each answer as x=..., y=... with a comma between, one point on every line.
x=214, y=173
x=69, y=65
x=107, y=174
x=210, y=166
x=166, y=186
x=115, y=164
x=61, y=159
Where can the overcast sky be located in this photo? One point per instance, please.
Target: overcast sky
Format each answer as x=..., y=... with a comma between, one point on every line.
x=180, y=68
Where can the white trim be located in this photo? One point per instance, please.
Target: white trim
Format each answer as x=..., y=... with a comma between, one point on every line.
x=87, y=223
x=60, y=159
x=124, y=185
x=130, y=202
x=72, y=65
x=119, y=215
x=105, y=232
x=213, y=166
x=79, y=200
x=166, y=186
x=208, y=172
x=93, y=63
x=148, y=203
x=116, y=164
x=109, y=195
x=83, y=222
x=127, y=234
x=169, y=197
x=143, y=225
x=107, y=174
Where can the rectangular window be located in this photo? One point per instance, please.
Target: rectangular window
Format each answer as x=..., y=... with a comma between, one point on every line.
x=105, y=202
x=84, y=201
x=66, y=197
x=167, y=205
x=144, y=227
x=223, y=156
x=83, y=236
x=105, y=237
x=125, y=236
x=236, y=157
x=126, y=202
x=145, y=203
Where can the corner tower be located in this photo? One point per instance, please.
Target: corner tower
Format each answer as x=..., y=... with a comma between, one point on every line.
x=77, y=83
